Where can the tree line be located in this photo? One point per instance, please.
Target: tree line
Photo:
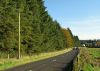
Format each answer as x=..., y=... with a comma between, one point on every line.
x=90, y=43
x=38, y=31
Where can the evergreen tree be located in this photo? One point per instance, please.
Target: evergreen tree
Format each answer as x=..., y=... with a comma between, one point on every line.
x=8, y=24
x=39, y=33
x=77, y=41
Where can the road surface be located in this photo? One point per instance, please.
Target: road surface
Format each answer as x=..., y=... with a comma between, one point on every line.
x=62, y=62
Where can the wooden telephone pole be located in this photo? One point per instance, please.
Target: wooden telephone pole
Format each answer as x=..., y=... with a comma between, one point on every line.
x=19, y=55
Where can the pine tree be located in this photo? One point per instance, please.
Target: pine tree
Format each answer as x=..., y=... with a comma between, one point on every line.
x=38, y=31
x=77, y=41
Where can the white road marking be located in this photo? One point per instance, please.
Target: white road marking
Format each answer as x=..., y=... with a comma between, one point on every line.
x=54, y=60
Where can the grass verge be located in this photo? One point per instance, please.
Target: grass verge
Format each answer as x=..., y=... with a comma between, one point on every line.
x=88, y=67
x=89, y=59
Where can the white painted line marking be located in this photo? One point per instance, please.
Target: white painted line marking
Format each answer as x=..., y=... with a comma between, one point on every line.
x=54, y=60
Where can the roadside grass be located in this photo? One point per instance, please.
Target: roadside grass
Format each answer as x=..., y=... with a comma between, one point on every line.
x=94, y=52
x=97, y=68
x=8, y=63
x=89, y=59
x=88, y=67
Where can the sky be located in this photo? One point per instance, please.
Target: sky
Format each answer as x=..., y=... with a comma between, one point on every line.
x=81, y=16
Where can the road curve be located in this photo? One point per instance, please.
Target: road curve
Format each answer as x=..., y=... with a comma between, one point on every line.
x=57, y=63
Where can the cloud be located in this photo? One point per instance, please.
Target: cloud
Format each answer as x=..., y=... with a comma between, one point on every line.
x=91, y=36
x=87, y=22
x=87, y=28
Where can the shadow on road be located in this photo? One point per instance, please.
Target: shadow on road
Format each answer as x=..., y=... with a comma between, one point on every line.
x=69, y=67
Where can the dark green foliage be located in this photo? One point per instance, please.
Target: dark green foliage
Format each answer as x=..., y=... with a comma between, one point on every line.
x=39, y=33
x=8, y=25
x=77, y=41
x=91, y=43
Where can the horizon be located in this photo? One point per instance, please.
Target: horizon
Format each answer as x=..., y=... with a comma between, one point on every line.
x=82, y=17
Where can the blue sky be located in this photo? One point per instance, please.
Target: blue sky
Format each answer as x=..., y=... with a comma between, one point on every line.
x=81, y=16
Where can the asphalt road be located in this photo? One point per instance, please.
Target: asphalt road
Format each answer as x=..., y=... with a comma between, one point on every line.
x=62, y=62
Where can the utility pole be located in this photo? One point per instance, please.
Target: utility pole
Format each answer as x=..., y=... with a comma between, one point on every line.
x=19, y=38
